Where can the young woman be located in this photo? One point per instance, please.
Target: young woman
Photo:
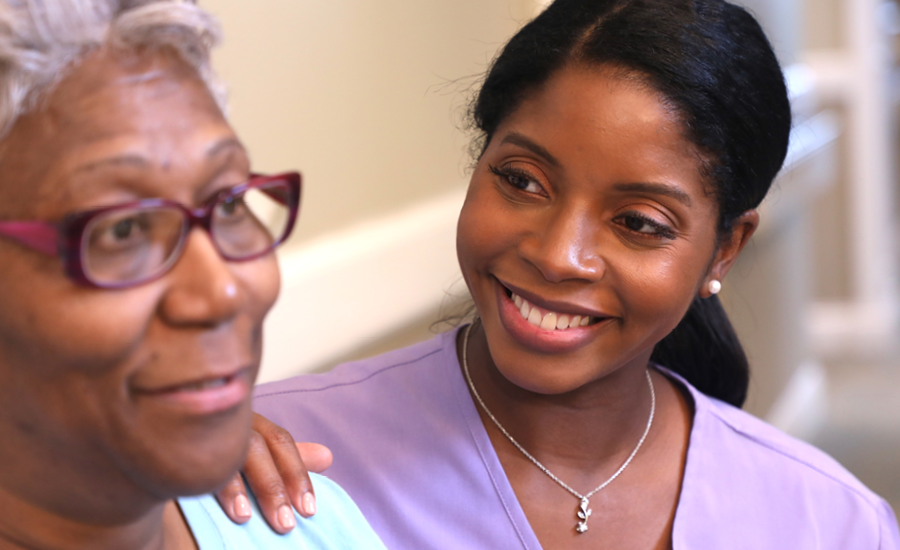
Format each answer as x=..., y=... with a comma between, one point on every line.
x=135, y=273
x=593, y=402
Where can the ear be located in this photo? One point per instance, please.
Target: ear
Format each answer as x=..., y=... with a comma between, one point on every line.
x=729, y=249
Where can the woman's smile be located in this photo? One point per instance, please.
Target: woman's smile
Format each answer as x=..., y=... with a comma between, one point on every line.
x=547, y=326
x=201, y=396
x=587, y=231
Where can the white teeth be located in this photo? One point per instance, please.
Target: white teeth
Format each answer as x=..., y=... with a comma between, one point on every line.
x=208, y=385
x=534, y=317
x=551, y=320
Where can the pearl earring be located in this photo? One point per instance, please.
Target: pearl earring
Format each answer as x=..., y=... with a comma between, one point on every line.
x=715, y=286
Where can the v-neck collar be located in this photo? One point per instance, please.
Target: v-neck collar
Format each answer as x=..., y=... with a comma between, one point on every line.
x=497, y=474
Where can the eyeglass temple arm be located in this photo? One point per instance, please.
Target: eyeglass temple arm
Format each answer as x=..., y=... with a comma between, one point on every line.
x=276, y=195
x=40, y=236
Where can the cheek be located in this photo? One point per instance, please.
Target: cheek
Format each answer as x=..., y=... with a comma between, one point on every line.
x=485, y=232
x=262, y=281
x=62, y=356
x=658, y=291
x=467, y=241
x=49, y=323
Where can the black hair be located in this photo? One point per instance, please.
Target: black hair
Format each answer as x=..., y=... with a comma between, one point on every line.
x=712, y=63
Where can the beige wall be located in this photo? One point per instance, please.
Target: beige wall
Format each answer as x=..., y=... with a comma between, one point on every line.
x=822, y=25
x=363, y=97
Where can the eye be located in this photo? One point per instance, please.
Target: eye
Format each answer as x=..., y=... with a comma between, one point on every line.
x=122, y=230
x=645, y=226
x=230, y=207
x=119, y=232
x=519, y=179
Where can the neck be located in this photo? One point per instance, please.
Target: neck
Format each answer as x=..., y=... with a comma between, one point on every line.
x=590, y=430
x=81, y=501
x=23, y=525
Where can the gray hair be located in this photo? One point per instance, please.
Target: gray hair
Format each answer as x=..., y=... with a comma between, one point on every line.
x=41, y=39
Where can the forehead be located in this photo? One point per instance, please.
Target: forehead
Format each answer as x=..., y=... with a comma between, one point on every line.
x=149, y=104
x=607, y=120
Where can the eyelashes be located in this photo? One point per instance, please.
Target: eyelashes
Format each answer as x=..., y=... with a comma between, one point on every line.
x=518, y=179
x=635, y=224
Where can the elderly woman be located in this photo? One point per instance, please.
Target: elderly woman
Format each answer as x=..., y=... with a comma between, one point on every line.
x=594, y=402
x=136, y=273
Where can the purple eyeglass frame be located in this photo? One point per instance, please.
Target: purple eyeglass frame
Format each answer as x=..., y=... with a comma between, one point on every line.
x=64, y=239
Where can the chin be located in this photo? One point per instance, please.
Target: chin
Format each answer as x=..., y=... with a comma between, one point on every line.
x=194, y=460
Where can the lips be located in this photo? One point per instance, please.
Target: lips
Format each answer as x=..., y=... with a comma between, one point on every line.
x=204, y=396
x=544, y=326
x=549, y=320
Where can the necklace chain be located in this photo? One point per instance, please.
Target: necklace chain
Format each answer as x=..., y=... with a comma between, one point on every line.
x=583, y=512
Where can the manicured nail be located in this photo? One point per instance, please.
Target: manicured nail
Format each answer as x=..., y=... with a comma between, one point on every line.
x=286, y=517
x=242, y=507
x=309, y=504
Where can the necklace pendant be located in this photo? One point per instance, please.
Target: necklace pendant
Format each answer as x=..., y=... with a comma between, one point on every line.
x=584, y=512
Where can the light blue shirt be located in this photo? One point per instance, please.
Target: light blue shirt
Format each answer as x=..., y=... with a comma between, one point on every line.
x=338, y=525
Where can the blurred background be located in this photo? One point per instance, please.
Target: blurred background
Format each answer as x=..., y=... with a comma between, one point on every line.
x=368, y=100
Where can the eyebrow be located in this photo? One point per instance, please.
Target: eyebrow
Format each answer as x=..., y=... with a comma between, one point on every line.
x=524, y=142
x=121, y=160
x=139, y=161
x=224, y=144
x=655, y=189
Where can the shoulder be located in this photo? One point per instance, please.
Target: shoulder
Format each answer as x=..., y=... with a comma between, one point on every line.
x=744, y=470
x=337, y=525
x=367, y=372
x=780, y=455
x=368, y=401
x=360, y=385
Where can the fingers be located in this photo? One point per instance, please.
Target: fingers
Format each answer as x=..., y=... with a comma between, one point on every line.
x=266, y=483
x=290, y=466
x=277, y=475
x=233, y=500
x=317, y=457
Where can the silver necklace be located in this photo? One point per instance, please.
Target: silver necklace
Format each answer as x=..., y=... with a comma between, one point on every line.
x=583, y=513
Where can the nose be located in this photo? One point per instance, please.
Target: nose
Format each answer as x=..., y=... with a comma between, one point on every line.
x=565, y=247
x=202, y=291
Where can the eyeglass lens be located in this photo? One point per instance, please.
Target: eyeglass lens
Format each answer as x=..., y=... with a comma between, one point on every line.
x=137, y=244
x=247, y=224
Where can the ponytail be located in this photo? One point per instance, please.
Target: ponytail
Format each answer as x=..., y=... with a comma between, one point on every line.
x=705, y=350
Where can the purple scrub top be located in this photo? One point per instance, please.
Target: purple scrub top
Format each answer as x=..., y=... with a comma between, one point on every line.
x=411, y=450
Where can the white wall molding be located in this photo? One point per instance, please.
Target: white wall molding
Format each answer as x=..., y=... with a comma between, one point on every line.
x=347, y=289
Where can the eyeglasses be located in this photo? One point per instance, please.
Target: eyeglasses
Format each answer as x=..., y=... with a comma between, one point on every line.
x=129, y=244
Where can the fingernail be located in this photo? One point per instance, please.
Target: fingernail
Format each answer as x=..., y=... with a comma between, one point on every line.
x=309, y=504
x=286, y=517
x=242, y=507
